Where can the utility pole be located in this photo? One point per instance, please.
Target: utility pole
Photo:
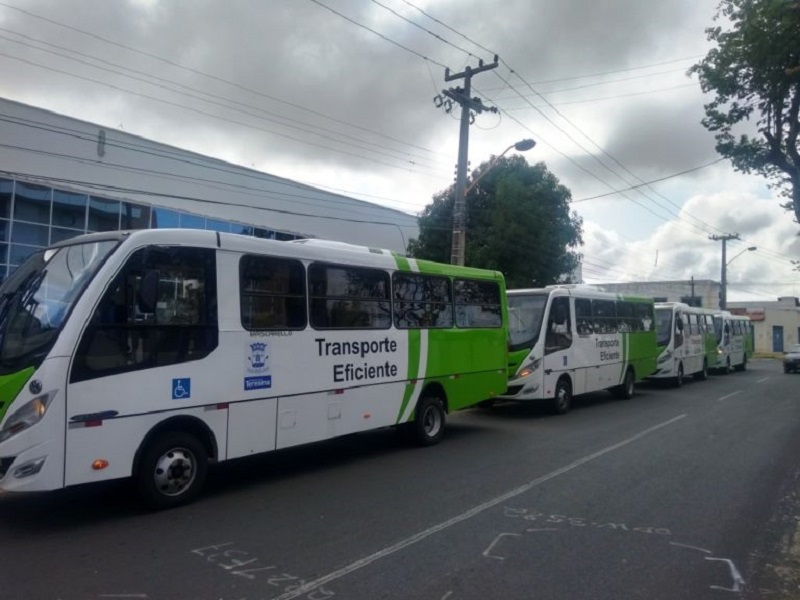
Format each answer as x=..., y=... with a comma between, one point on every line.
x=469, y=106
x=723, y=292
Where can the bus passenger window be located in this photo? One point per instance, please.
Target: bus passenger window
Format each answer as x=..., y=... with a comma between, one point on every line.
x=583, y=316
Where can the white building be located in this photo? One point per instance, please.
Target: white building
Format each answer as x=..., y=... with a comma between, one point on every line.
x=61, y=177
x=776, y=324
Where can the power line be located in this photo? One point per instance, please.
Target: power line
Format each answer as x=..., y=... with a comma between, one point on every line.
x=603, y=98
x=211, y=76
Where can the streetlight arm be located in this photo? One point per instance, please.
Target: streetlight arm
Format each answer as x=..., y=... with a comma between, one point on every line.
x=492, y=163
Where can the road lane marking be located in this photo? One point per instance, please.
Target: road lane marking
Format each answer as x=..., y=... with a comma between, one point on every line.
x=691, y=547
x=762, y=380
x=731, y=395
x=486, y=552
x=738, y=581
x=420, y=536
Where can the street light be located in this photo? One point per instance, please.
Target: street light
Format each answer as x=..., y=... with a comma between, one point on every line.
x=459, y=242
x=749, y=249
x=723, y=295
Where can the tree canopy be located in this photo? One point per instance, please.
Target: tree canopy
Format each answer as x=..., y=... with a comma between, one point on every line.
x=518, y=222
x=754, y=71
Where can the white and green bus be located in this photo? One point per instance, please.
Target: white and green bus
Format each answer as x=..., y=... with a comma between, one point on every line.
x=735, y=341
x=571, y=340
x=150, y=354
x=687, y=342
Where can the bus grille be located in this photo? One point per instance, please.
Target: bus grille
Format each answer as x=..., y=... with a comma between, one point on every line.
x=513, y=390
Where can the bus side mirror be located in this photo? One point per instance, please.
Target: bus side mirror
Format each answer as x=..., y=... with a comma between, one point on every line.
x=148, y=292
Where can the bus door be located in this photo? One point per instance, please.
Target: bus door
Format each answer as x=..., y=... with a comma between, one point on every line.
x=557, y=343
x=145, y=352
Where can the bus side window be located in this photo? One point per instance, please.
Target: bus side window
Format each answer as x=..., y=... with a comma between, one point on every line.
x=583, y=316
x=182, y=326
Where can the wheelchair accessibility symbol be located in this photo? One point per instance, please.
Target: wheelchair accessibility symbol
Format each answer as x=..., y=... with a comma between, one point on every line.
x=181, y=388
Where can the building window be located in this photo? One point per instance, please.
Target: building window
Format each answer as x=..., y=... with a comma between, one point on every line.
x=190, y=221
x=6, y=193
x=164, y=218
x=273, y=293
x=134, y=216
x=222, y=226
x=349, y=297
x=69, y=210
x=103, y=214
x=32, y=203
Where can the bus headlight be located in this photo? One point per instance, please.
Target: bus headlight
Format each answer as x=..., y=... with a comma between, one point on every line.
x=530, y=367
x=665, y=357
x=25, y=416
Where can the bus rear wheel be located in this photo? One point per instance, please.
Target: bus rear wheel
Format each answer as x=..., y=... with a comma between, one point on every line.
x=172, y=470
x=627, y=389
x=429, y=421
x=703, y=374
x=743, y=366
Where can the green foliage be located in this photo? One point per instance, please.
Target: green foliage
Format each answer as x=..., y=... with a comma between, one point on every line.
x=754, y=70
x=518, y=222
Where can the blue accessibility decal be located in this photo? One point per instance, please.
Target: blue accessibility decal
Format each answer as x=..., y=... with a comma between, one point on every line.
x=181, y=388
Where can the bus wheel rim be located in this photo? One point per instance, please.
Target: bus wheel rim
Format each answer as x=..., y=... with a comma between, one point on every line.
x=175, y=472
x=431, y=421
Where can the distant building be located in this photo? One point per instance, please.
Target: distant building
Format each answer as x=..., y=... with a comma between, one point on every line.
x=776, y=324
x=61, y=177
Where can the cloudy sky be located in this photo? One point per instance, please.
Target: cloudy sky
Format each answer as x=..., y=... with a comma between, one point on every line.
x=339, y=94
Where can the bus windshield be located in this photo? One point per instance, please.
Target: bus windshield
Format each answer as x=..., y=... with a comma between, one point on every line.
x=663, y=326
x=36, y=299
x=525, y=319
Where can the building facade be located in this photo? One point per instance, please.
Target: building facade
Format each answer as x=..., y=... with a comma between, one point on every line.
x=61, y=177
x=776, y=324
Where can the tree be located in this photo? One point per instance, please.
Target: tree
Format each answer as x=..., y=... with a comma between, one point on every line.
x=518, y=222
x=754, y=70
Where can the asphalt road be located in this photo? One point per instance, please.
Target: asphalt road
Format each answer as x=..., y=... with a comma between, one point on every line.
x=673, y=494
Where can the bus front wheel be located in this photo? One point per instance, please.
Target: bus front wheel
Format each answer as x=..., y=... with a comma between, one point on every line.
x=562, y=401
x=429, y=421
x=678, y=380
x=172, y=470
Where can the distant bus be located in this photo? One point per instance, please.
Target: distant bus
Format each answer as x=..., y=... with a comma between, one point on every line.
x=687, y=342
x=571, y=340
x=735, y=341
x=153, y=353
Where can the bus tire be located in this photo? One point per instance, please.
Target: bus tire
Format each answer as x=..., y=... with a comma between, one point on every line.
x=562, y=400
x=628, y=387
x=429, y=421
x=703, y=374
x=172, y=470
x=743, y=366
x=678, y=379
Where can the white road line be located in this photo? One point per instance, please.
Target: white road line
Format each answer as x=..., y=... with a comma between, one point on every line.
x=738, y=581
x=691, y=547
x=418, y=537
x=731, y=395
x=486, y=552
x=762, y=380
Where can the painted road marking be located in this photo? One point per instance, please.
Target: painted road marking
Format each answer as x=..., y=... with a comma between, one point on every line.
x=494, y=543
x=418, y=537
x=762, y=380
x=738, y=581
x=691, y=547
x=731, y=395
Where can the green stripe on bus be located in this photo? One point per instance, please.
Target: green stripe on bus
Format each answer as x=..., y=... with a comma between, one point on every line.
x=414, y=349
x=10, y=386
